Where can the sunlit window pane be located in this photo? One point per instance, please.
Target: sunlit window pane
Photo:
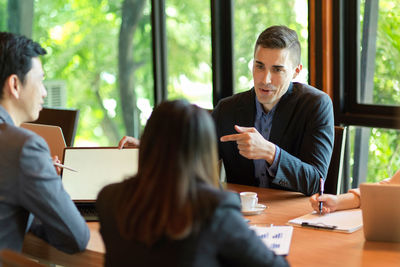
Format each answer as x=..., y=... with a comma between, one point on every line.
x=383, y=154
x=383, y=86
x=106, y=72
x=189, y=51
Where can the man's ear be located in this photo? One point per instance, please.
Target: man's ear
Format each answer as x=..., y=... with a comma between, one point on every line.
x=13, y=86
x=297, y=70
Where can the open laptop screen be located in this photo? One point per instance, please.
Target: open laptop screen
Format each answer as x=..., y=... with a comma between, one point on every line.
x=95, y=168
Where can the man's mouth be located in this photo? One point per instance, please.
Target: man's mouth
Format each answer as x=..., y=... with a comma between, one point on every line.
x=266, y=90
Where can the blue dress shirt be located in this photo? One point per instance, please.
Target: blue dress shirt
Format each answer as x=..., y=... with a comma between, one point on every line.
x=263, y=123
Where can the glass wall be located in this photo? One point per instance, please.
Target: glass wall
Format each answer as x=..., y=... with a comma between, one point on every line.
x=383, y=152
x=383, y=85
x=102, y=56
x=189, y=51
x=254, y=16
x=380, y=74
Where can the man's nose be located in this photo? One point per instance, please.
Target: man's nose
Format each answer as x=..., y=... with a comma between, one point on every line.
x=267, y=77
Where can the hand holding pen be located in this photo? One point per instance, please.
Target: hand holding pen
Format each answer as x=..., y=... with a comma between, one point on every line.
x=330, y=202
x=57, y=164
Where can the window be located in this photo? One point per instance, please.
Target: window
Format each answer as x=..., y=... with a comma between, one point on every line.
x=189, y=51
x=367, y=77
x=107, y=72
x=380, y=53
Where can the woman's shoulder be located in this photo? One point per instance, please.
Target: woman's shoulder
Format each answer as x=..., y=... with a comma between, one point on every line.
x=109, y=192
x=222, y=198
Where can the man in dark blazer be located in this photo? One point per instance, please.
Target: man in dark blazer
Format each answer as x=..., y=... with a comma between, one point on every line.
x=280, y=133
x=32, y=197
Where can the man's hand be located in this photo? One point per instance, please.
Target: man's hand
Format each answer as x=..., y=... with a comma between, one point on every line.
x=128, y=141
x=56, y=160
x=251, y=144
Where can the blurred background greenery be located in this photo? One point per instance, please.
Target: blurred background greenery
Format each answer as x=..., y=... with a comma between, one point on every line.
x=101, y=52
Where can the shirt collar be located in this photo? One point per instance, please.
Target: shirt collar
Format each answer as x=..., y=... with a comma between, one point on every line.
x=260, y=110
x=5, y=117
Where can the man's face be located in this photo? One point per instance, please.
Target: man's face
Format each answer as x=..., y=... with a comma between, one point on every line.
x=33, y=92
x=272, y=72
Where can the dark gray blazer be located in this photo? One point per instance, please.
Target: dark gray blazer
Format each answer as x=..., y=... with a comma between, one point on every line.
x=303, y=127
x=225, y=240
x=29, y=185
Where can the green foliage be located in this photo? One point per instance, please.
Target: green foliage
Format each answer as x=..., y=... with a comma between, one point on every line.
x=81, y=38
x=3, y=15
x=188, y=26
x=387, y=68
x=384, y=156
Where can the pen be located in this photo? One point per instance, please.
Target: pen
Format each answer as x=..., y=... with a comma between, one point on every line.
x=319, y=226
x=321, y=192
x=64, y=167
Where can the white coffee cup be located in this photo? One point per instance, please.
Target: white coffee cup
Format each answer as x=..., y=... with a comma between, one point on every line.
x=249, y=200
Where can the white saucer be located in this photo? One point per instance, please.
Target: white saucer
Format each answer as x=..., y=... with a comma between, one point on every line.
x=254, y=211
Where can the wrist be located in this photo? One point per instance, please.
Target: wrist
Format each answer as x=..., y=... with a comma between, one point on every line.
x=348, y=201
x=270, y=153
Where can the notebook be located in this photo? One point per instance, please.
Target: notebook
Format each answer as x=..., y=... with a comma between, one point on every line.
x=346, y=221
x=53, y=136
x=380, y=204
x=95, y=168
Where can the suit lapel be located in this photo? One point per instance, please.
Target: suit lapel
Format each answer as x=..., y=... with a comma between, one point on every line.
x=244, y=114
x=283, y=113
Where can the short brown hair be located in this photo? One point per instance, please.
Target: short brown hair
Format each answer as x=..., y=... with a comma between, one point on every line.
x=280, y=37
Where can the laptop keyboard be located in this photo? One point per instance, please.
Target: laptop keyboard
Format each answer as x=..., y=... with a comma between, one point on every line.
x=89, y=213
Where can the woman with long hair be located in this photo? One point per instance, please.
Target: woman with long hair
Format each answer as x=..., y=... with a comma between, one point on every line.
x=172, y=213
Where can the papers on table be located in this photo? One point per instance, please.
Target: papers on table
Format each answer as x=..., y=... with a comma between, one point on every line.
x=276, y=238
x=346, y=221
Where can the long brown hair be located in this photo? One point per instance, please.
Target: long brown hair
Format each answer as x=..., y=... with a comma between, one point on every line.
x=177, y=153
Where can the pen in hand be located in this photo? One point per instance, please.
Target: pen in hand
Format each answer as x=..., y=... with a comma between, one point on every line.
x=64, y=167
x=321, y=192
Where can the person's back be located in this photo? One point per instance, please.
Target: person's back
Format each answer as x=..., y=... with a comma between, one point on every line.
x=32, y=197
x=225, y=240
x=172, y=213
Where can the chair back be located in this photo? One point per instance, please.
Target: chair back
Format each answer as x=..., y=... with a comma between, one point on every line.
x=10, y=258
x=66, y=119
x=334, y=177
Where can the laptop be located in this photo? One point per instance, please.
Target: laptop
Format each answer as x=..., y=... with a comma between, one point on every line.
x=53, y=136
x=380, y=205
x=92, y=169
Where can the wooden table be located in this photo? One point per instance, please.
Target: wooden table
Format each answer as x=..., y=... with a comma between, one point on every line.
x=309, y=247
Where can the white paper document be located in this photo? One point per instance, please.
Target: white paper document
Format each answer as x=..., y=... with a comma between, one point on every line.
x=346, y=221
x=276, y=238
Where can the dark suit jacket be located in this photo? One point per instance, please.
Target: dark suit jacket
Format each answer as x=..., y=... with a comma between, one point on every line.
x=224, y=240
x=302, y=126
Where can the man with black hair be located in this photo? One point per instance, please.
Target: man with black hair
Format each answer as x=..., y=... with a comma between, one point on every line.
x=32, y=197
